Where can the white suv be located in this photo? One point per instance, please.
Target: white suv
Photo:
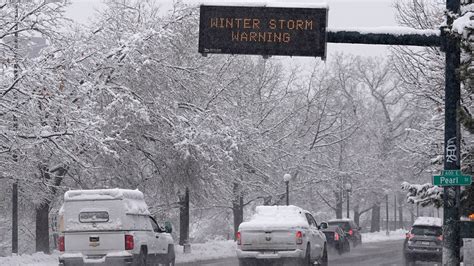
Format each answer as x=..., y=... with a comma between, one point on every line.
x=111, y=227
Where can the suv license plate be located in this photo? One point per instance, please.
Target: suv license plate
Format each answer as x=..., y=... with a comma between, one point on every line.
x=425, y=243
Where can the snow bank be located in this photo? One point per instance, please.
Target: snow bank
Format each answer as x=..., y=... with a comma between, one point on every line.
x=382, y=236
x=429, y=221
x=207, y=251
x=36, y=259
x=276, y=216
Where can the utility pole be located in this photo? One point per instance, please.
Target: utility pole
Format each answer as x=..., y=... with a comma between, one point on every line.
x=452, y=139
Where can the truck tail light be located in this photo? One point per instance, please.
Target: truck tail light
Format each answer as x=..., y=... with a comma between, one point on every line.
x=239, y=238
x=61, y=245
x=129, y=245
x=336, y=236
x=299, y=238
x=351, y=232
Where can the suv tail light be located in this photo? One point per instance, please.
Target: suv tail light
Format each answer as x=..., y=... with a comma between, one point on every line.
x=410, y=236
x=299, y=238
x=239, y=239
x=61, y=245
x=351, y=232
x=129, y=245
x=336, y=236
x=440, y=238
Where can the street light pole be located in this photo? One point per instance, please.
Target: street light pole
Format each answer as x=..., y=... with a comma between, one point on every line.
x=347, y=199
x=287, y=178
x=348, y=187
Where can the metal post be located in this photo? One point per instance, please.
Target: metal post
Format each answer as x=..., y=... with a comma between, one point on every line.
x=347, y=199
x=452, y=138
x=15, y=218
x=386, y=208
x=287, y=192
x=395, y=212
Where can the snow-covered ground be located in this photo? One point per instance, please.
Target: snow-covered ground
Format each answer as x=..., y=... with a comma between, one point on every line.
x=37, y=259
x=382, y=236
x=199, y=251
x=207, y=251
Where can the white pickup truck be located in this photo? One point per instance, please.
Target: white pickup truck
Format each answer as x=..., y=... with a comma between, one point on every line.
x=281, y=233
x=111, y=227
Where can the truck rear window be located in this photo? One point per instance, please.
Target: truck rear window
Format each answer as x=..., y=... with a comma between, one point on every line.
x=94, y=217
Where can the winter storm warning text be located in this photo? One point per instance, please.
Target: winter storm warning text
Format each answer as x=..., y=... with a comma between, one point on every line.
x=262, y=31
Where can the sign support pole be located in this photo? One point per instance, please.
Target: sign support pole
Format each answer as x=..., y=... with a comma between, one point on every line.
x=452, y=138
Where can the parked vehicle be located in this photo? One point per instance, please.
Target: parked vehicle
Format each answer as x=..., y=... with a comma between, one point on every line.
x=285, y=234
x=337, y=239
x=351, y=229
x=424, y=241
x=111, y=227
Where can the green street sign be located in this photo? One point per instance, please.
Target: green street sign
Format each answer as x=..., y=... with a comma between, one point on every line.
x=452, y=178
x=451, y=173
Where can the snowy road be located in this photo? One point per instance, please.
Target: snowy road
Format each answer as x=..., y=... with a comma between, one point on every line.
x=382, y=253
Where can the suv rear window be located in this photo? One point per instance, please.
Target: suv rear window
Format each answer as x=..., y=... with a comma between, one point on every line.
x=343, y=225
x=427, y=230
x=94, y=217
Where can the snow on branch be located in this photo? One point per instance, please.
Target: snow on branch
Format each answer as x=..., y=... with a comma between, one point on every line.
x=392, y=30
x=424, y=195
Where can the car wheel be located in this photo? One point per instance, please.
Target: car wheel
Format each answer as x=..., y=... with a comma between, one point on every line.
x=247, y=262
x=355, y=242
x=306, y=261
x=324, y=260
x=142, y=257
x=347, y=246
x=408, y=261
x=171, y=255
x=341, y=247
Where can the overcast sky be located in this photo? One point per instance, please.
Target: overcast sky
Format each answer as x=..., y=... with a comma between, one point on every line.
x=342, y=13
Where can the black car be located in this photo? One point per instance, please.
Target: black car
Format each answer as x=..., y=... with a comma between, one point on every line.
x=337, y=239
x=350, y=228
x=424, y=241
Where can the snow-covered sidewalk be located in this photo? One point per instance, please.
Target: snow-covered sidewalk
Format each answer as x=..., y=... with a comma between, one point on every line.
x=199, y=251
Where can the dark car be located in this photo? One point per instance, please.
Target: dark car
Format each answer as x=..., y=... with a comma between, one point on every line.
x=350, y=228
x=424, y=241
x=337, y=239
